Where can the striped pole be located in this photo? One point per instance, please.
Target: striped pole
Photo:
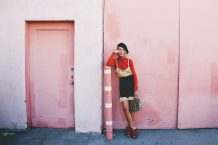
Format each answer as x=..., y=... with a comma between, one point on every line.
x=108, y=103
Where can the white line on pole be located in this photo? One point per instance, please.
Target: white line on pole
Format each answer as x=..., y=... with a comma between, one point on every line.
x=109, y=122
x=107, y=88
x=107, y=71
x=108, y=105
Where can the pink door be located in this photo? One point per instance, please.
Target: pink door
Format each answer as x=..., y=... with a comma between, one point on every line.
x=49, y=63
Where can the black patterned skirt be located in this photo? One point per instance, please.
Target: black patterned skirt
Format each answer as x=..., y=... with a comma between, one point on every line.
x=126, y=86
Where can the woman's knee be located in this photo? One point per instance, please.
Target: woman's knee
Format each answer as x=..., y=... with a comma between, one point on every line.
x=126, y=107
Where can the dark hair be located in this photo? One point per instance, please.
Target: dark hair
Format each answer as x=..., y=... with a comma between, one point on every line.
x=123, y=46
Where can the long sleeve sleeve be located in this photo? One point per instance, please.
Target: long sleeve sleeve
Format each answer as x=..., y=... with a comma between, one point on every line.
x=111, y=61
x=134, y=75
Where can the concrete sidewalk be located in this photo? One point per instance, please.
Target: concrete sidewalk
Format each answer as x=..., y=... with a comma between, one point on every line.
x=49, y=136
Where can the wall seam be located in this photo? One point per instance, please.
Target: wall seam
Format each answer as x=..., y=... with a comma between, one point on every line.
x=179, y=37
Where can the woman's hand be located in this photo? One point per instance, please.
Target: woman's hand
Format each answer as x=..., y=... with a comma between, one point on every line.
x=116, y=51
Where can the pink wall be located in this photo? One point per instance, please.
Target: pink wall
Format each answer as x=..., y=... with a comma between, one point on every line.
x=151, y=31
x=150, y=28
x=174, y=46
x=88, y=18
x=199, y=64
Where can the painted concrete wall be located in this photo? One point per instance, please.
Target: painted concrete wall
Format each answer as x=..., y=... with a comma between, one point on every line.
x=87, y=16
x=151, y=31
x=174, y=46
x=199, y=64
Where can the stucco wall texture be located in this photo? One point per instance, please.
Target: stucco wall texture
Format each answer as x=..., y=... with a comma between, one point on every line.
x=173, y=44
x=151, y=32
x=198, y=87
x=87, y=17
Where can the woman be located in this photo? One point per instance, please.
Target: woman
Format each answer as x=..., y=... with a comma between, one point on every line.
x=128, y=84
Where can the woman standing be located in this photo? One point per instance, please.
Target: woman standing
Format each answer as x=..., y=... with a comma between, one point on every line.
x=128, y=83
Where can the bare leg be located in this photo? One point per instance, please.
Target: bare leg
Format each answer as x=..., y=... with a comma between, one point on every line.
x=128, y=115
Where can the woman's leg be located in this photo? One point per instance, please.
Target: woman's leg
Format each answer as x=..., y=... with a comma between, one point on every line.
x=131, y=130
x=128, y=115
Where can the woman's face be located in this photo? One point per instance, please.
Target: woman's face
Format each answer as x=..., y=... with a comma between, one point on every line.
x=121, y=52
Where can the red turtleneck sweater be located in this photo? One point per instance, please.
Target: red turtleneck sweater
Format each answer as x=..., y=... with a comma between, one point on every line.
x=123, y=64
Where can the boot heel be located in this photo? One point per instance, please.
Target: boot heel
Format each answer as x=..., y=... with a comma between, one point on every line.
x=128, y=131
x=134, y=133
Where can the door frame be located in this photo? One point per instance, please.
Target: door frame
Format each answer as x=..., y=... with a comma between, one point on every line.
x=27, y=65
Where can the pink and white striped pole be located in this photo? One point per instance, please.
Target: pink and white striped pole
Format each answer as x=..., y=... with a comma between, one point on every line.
x=108, y=103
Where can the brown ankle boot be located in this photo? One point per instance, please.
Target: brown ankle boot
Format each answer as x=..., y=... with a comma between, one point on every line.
x=134, y=133
x=128, y=131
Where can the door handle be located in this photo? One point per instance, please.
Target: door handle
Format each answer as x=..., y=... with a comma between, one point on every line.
x=72, y=80
x=72, y=69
